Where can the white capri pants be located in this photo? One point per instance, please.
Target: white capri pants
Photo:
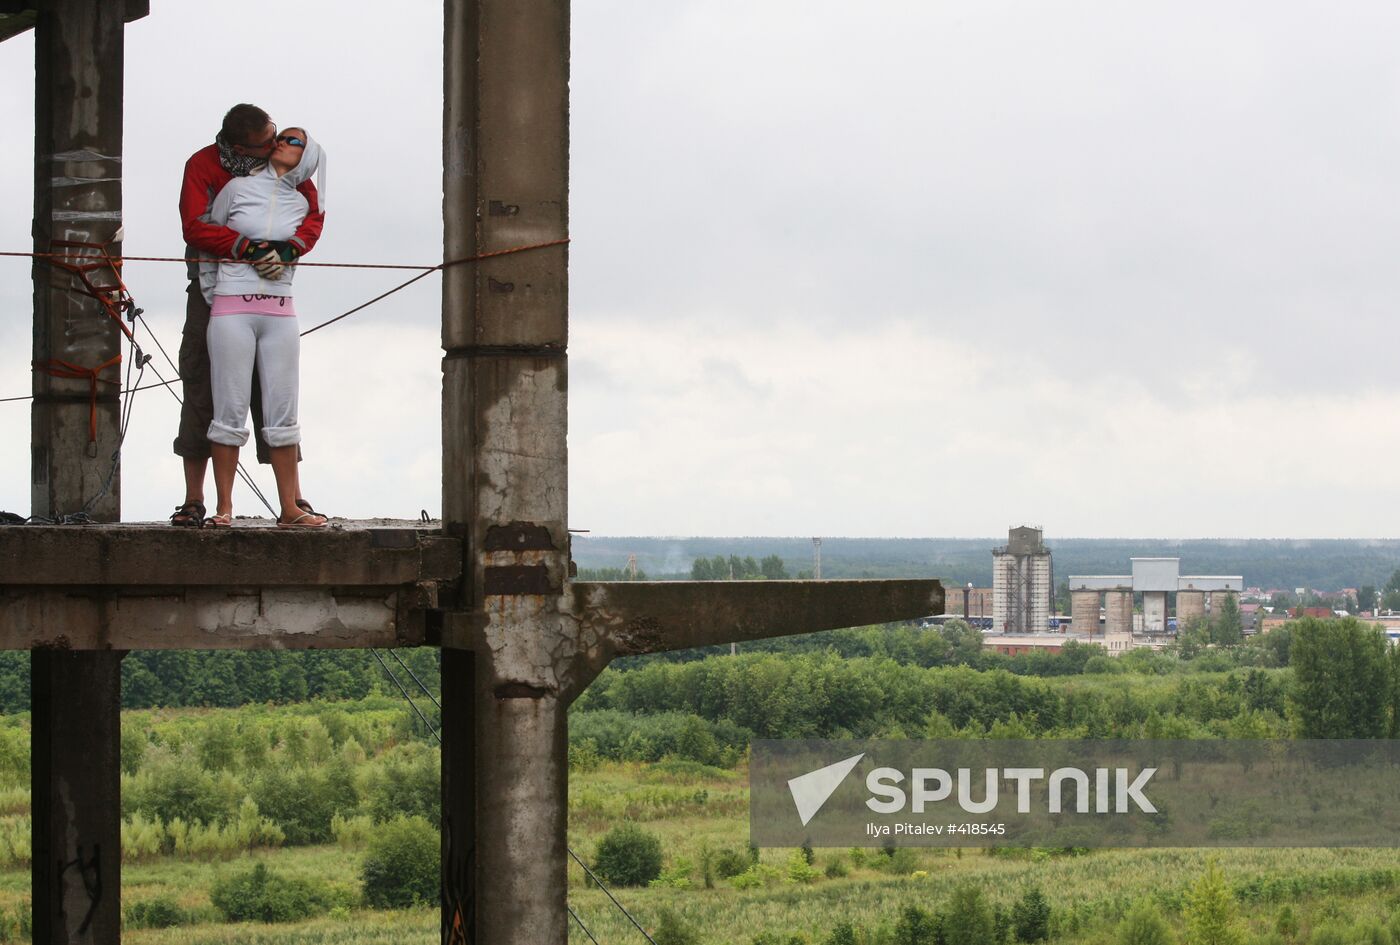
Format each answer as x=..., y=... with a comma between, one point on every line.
x=235, y=343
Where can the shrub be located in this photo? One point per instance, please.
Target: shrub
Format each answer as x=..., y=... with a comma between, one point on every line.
x=968, y=919
x=142, y=838
x=218, y=745
x=1143, y=925
x=755, y=877
x=181, y=788
x=351, y=833
x=1327, y=935
x=402, y=864
x=263, y=896
x=800, y=870
x=15, y=926
x=583, y=755
x=628, y=856
x=16, y=836
x=843, y=934
x=1030, y=917
x=836, y=869
x=1210, y=911
x=671, y=929
x=162, y=912
x=406, y=781
x=730, y=863
x=1369, y=932
x=916, y=927
x=302, y=802
x=901, y=861
x=677, y=877
x=133, y=749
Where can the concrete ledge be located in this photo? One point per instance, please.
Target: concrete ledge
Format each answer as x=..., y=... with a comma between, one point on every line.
x=653, y=616
x=379, y=553
x=208, y=619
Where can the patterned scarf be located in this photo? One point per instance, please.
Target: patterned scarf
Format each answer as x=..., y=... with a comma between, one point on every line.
x=239, y=165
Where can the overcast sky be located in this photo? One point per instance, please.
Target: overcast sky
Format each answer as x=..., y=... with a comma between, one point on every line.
x=913, y=269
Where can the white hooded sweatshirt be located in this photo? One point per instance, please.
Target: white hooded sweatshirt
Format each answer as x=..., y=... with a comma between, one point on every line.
x=261, y=206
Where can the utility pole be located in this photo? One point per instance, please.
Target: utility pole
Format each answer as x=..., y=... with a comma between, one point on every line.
x=816, y=559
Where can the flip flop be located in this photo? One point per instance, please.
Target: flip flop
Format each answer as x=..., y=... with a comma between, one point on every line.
x=299, y=523
x=189, y=515
x=306, y=507
x=218, y=521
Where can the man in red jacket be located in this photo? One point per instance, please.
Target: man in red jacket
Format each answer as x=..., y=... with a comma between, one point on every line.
x=241, y=147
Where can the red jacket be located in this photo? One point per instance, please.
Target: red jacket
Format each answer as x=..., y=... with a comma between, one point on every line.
x=204, y=178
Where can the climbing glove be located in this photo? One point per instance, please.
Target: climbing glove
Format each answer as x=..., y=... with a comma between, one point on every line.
x=264, y=258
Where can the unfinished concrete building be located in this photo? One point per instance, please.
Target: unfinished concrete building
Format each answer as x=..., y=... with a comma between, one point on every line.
x=1023, y=583
x=491, y=584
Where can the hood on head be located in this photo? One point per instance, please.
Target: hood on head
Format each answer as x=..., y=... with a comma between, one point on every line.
x=313, y=161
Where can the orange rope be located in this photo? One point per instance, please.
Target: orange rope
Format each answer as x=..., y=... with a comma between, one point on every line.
x=55, y=367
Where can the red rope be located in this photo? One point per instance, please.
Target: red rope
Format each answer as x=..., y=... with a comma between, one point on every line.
x=55, y=367
x=322, y=265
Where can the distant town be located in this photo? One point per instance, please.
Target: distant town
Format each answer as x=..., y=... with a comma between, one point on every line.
x=1151, y=605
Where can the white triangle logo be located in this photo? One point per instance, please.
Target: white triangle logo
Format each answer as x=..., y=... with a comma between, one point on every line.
x=811, y=790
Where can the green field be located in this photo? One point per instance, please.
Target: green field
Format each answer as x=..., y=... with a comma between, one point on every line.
x=694, y=809
x=310, y=790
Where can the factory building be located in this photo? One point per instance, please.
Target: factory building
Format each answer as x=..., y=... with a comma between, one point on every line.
x=1023, y=583
x=1154, y=579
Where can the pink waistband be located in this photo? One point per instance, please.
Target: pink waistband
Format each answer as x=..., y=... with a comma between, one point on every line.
x=253, y=305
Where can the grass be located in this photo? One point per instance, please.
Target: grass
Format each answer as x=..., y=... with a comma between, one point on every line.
x=692, y=809
x=696, y=809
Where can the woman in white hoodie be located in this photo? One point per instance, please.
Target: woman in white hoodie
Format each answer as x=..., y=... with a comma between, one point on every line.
x=252, y=319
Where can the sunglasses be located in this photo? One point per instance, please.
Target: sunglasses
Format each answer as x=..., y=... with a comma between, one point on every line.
x=293, y=140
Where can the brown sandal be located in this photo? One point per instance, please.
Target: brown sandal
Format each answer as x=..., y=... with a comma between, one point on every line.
x=189, y=515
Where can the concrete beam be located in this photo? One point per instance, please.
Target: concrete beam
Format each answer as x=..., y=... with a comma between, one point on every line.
x=651, y=617
x=18, y=16
x=353, y=555
x=268, y=618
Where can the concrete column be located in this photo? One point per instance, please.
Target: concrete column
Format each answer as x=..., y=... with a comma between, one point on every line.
x=458, y=796
x=75, y=784
x=75, y=776
x=77, y=137
x=1084, y=611
x=1218, y=598
x=505, y=478
x=1154, y=611
x=1190, y=605
x=1118, y=611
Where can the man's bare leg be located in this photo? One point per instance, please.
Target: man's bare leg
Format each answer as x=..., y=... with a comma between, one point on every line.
x=194, y=479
